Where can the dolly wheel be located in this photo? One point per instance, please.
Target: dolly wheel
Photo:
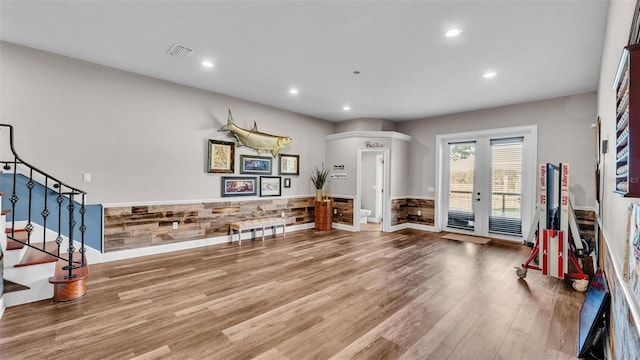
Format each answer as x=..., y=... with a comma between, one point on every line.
x=521, y=272
x=580, y=285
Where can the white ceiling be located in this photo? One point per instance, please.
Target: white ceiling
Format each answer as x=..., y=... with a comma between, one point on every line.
x=408, y=68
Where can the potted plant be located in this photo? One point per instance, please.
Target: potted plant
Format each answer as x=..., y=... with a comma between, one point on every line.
x=319, y=178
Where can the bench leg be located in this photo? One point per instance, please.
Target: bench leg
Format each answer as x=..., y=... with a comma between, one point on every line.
x=233, y=230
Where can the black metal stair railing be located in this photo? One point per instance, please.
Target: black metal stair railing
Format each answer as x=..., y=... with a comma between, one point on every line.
x=42, y=189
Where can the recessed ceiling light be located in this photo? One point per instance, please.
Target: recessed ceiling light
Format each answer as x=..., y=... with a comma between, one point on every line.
x=346, y=108
x=453, y=33
x=293, y=91
x=207, y=64
x=489, y=74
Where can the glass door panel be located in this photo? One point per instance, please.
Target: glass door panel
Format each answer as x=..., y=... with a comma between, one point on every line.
x=460, y=212
x=505, y=213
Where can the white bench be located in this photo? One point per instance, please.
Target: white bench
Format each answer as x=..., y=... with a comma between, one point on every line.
x=255, y=224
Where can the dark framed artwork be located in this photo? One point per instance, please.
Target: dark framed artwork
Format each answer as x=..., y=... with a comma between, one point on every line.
x=287, y=182
x=221, y=157
x=255, y=164
x=289, y=164
x=270, y=186
x=239, y=186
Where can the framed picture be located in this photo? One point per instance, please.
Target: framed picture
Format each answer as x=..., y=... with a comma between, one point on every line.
x=289, y=164
x=221, y=157
x=255, y=165
x=239, y=186
x=270, y=186
x=287, y=182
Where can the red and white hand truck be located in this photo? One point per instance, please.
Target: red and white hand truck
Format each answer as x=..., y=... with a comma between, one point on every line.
x=557, y=237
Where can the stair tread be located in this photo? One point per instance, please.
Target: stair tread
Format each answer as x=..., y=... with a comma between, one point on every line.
x=19, y=230
x=60, y=274
x=19, y=235
x=5, y=212
x=10, y=286
x=33, y=256
x=14, y=245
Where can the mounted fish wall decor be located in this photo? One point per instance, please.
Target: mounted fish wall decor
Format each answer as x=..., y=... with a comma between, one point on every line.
x=254, y=139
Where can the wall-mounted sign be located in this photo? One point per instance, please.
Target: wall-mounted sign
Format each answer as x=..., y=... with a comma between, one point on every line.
x=340, y=175
x=338, y=167
x=369, y=144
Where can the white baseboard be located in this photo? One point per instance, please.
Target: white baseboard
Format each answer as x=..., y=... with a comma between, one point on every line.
x=413, y=226
x=343, y=227
x=421, y=227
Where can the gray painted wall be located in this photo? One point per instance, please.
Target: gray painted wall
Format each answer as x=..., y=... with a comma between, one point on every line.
x=142, y=139
x=614, y=208
x=345, y=151
x=365, y=124
x=564, y=135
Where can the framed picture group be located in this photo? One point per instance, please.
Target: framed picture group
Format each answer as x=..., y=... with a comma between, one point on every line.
x=221, y=159
x=249, y=186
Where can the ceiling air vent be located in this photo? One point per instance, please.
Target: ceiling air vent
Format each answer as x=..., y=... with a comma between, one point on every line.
x=178, y=50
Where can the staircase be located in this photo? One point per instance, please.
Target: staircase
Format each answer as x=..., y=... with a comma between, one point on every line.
x=41, y=259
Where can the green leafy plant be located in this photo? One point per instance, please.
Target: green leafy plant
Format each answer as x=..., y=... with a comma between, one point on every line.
x=319, y=177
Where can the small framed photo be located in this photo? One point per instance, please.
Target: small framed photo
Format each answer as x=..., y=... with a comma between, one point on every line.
x=287, y=182
x=221, y=157
x=289, y=164
x=255, y=165
x=270, y=186
x=239, y=186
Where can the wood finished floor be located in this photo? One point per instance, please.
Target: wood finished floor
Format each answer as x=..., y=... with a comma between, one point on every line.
x=314, y=295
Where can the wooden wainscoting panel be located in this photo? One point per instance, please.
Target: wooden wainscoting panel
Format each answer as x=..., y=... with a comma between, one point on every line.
x=344, y=211
x=421, y=211
x=399, y=214
x=133, y=227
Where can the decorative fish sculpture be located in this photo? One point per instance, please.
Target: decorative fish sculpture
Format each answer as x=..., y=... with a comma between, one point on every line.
x=254, y=139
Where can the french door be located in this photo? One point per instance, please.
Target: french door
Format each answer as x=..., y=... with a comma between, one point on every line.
x=486, y=183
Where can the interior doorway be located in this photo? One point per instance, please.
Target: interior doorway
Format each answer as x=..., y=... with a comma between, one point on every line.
x=486, y=182
x=371, y=193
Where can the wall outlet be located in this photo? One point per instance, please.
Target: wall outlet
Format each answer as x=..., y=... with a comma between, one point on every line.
x=335, y=211
x=175, y=225
x=419, y=212
x=282, y=214
x=431, y=189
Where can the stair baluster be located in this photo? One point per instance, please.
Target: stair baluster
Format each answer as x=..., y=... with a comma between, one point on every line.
x=39, y=186
x=83, y=228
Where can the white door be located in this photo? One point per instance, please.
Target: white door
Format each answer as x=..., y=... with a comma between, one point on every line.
x=486, y=184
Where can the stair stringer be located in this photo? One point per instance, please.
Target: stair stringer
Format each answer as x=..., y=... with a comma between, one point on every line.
x=36, y=277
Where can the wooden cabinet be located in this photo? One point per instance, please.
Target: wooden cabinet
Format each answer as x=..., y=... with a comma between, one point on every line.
x=627, y=142
x=324, y=215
